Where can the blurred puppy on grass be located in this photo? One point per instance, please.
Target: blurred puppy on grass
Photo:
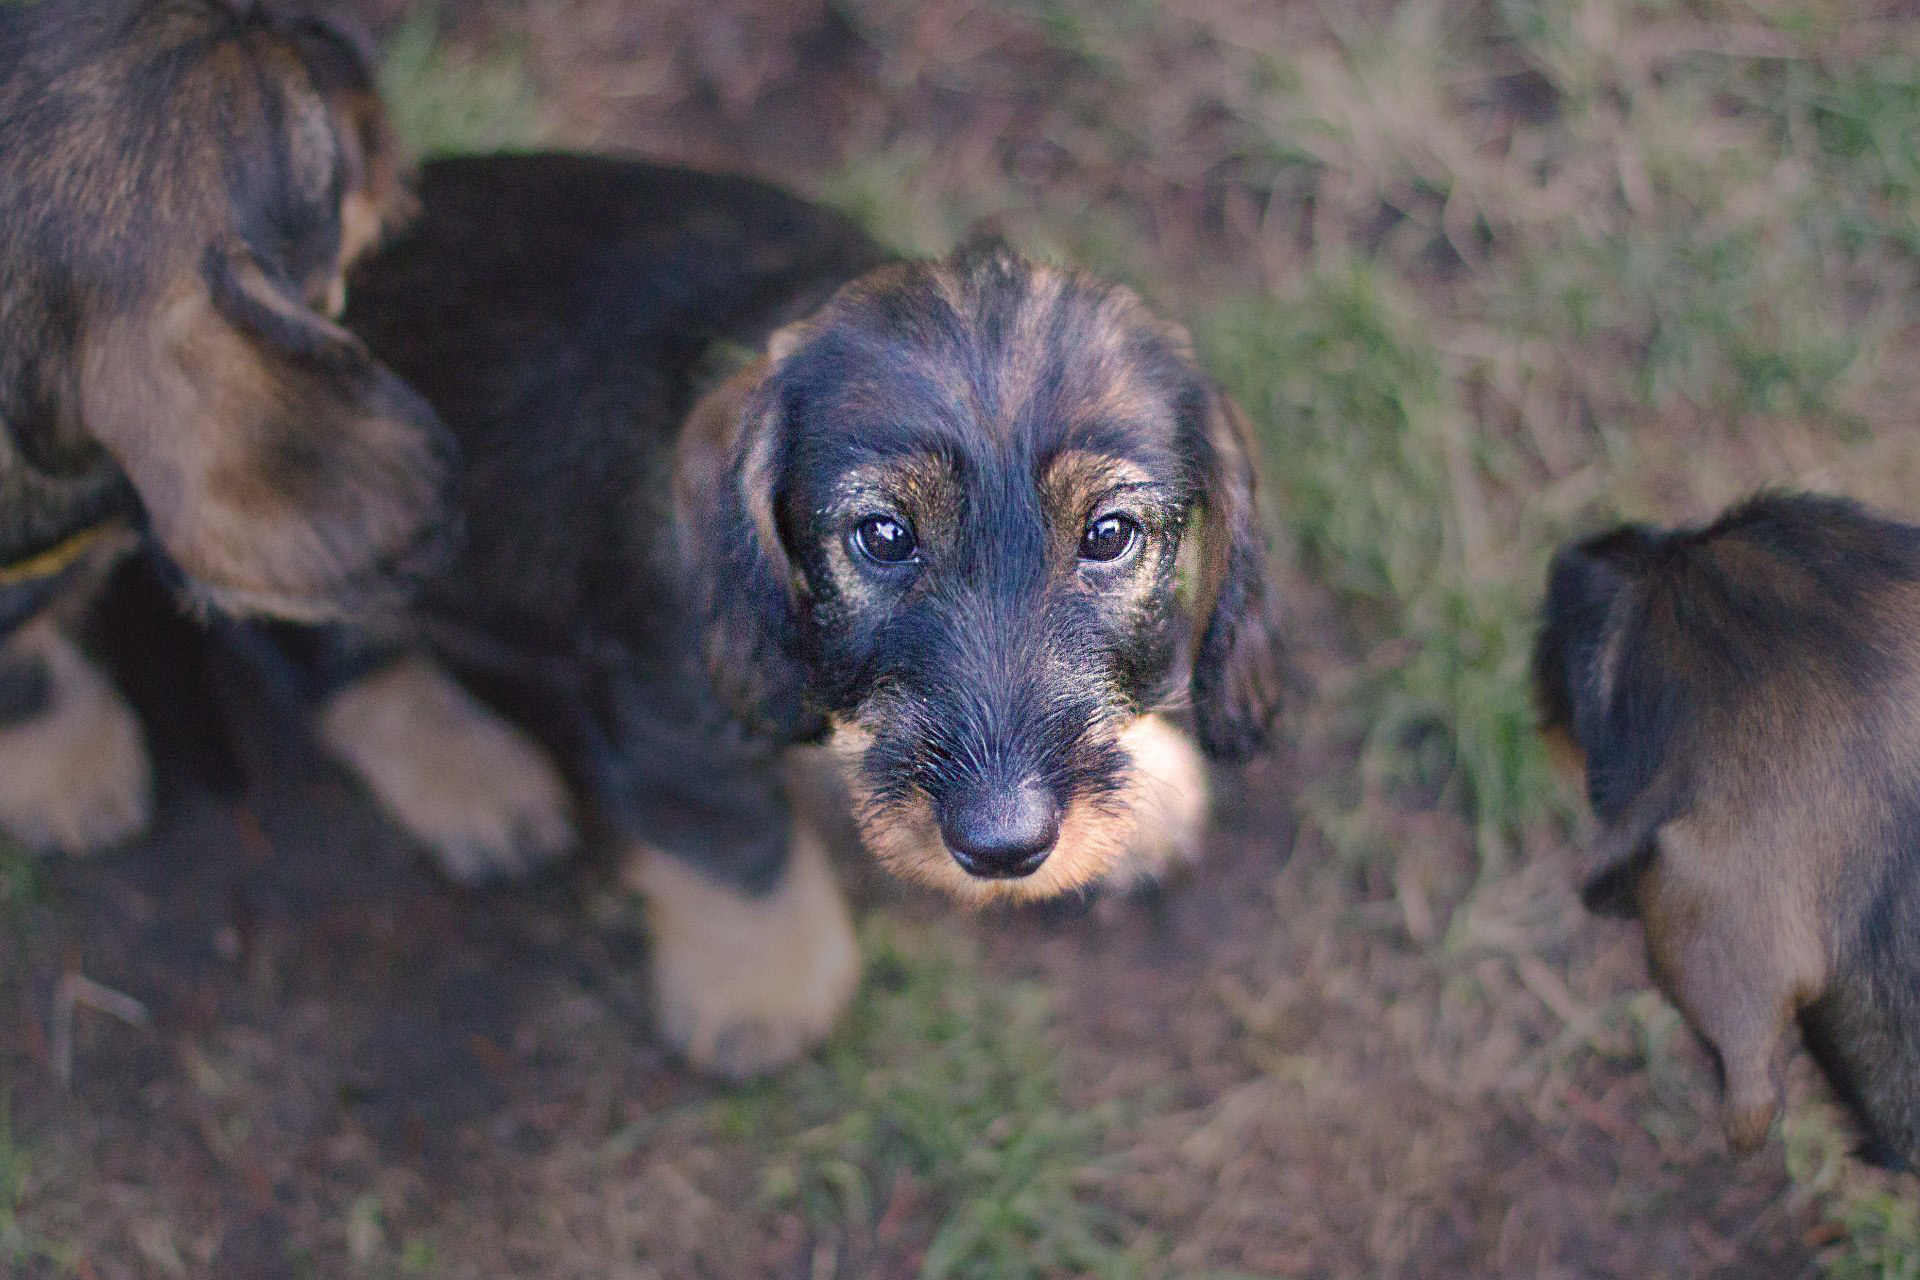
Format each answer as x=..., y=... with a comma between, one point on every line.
x=1744, y=699
x=182, y=185
x=977, y=522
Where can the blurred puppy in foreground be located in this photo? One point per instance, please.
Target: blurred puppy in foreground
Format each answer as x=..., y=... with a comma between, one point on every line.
x=182, y=186
x=976, y=521
x=1745, y=702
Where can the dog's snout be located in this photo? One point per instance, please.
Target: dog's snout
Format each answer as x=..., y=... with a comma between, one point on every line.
x=1002, y=833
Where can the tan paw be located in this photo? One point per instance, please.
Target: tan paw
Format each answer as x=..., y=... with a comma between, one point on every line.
x=76, y=777
x=476, y=791
x=1168, y=796
x=1748, y=1119
x=745, y=985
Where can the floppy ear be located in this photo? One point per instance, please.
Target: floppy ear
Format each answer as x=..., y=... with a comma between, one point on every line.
x=1553, y=652
x=1572, y=691
x=1583, y=581
x=1237, y=678
x=284, y=469
x=727, y=485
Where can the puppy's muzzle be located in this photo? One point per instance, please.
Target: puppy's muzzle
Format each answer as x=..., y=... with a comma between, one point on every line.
x=1001, y=833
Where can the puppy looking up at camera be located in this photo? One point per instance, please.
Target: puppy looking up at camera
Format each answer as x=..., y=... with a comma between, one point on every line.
x=1744, y=702
x=977, y=521
x=182, y=186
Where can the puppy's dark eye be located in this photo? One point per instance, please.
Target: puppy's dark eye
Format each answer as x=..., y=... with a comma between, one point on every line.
x=885, y=540
x=1109, y=538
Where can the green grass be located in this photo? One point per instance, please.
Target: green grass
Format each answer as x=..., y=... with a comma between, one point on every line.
x=19, y=1245
x=945, y=1087
x=446, y=99
x=1367, y=450
x=1881, y=1239
x=1875, y=1218
x=23, y=886
x=19, y=878
x=1739, y=270
x=15, y=1248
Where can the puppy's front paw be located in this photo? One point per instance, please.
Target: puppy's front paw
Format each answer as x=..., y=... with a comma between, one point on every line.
x=475, y=790
x=74, y=776
x=1167, y=794
x=745, y=985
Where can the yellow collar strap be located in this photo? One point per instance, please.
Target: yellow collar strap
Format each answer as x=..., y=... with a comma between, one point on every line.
x=60, y=557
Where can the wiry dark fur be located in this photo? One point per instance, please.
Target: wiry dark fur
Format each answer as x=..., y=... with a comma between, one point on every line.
x=689, y=583
x=181, y=184
x=562, y=313
x=1746, y=697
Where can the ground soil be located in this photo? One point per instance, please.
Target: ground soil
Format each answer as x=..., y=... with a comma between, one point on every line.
x=331, y=1025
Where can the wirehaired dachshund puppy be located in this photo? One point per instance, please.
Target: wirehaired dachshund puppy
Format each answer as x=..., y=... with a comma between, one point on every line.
x=182, y=185
x=1745, y=701
x=976, y=521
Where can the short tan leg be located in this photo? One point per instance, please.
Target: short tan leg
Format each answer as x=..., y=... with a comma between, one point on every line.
x=743, y=984
x=1745, y=1026
x=74, y=775
x=1169, y=799
x=476, y=791
x=1739, y=961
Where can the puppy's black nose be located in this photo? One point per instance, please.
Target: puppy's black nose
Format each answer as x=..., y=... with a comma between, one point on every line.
x=1002, y=833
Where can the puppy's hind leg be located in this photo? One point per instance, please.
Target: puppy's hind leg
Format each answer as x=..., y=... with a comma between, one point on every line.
x=483, y=798
x=746, y=983
x=1740, y=960
x=74, y=771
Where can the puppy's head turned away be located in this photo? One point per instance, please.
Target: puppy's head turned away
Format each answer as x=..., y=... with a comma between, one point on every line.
x=183, y=187
x=977, y=519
